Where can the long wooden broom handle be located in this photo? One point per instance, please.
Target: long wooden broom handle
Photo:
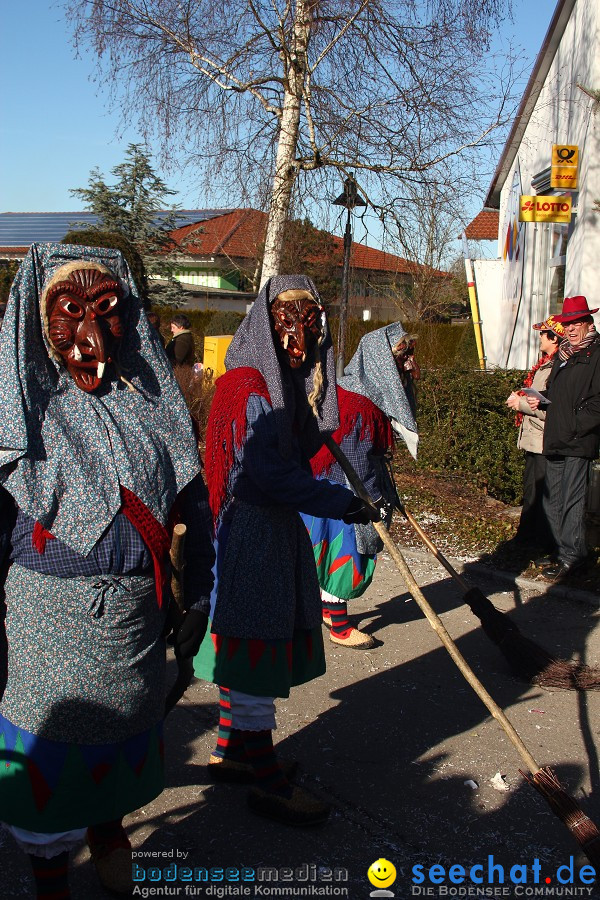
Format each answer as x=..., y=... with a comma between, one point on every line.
x=431, y=546
x=432, y=617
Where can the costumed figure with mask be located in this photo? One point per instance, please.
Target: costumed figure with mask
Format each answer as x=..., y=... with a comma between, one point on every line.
x=373, y=403
x=97, y=461
x=271, y=411
x=408, y=368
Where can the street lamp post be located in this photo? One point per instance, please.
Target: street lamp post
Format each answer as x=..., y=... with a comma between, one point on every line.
x=350, y=199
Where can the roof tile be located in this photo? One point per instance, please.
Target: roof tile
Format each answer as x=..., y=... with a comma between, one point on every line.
x=484, y=226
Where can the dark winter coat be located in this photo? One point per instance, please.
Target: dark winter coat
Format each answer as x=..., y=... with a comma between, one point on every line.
x=573, y=415
x=181, y=350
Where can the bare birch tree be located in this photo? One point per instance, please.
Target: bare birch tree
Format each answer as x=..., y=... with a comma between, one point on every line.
x=281, y=97
x=427, y=239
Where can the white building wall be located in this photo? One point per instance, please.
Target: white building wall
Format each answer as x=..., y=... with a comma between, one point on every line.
x=488, y=282
x=563, y=114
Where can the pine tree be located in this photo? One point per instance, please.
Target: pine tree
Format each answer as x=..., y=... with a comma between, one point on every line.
x=130, y=207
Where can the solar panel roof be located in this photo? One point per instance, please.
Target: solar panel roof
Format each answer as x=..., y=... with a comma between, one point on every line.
x=20, y=229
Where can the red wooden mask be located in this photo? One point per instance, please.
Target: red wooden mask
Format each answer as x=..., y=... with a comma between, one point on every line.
x=297, y=321
x=84, y=323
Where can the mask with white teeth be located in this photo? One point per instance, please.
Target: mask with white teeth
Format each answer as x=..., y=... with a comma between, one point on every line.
x=83, y=322
x=297, y=322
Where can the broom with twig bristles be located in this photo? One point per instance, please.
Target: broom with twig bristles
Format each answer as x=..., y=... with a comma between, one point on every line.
x=526, y=659
x=544, y=780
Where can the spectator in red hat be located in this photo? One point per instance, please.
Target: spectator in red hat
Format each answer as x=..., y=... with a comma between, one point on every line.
x=571, y=434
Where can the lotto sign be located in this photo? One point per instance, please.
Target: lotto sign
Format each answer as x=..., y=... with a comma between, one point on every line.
x=565, y=158
x=541, y=208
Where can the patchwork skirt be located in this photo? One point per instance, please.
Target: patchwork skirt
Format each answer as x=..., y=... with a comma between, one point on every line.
x=342, y=569
x=82, y=708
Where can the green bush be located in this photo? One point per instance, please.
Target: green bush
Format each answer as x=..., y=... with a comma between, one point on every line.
x=224, y=322
x=466, y=428
x=8, y=270
x=438, y=344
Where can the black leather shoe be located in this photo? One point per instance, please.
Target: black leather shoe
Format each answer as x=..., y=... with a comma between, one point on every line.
x=544, y=561
x=558, y=572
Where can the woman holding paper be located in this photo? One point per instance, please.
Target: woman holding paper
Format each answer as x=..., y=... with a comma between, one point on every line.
x=533, y=527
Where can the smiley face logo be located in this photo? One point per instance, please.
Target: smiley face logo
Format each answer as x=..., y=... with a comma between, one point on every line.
x=381, y=873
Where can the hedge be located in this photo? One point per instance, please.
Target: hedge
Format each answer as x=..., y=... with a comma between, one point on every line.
x=465, y=428
x=438, y=344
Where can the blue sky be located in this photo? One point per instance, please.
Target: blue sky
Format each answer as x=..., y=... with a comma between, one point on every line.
x=55, y=126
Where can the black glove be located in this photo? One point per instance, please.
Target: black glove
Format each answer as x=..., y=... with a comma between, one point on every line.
x=190, y=634
x=360, y=513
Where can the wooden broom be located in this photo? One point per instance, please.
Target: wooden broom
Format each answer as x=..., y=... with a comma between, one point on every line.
x=543, y=779
x=527, y=660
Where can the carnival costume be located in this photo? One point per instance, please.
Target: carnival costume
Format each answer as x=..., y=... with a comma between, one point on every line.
x=372, y=403
x=265, y=607
x=98, y=455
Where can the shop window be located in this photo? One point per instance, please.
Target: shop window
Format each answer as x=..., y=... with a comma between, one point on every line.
x=551, y=253
x=557, y=267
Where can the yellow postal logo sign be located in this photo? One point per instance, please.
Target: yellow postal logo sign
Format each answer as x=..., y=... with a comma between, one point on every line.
x=565, y=160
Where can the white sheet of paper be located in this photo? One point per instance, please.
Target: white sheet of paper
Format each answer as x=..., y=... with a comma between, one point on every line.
x=533, y=393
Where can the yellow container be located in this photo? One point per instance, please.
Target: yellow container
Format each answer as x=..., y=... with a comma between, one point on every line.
x=215, y=348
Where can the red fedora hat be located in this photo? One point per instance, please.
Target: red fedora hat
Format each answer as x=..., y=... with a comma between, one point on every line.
x=574, y=308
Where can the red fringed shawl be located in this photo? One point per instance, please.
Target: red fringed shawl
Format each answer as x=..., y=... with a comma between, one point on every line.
x=228, y=417
x=374, y=424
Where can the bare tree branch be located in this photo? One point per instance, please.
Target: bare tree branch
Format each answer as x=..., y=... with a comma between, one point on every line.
x=257, y=93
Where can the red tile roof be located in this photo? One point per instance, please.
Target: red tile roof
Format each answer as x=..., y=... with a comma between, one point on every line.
x=368, y=258
x=239, y=234
x=484, y=226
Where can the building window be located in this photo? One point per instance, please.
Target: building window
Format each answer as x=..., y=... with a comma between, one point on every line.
x=551, y=247
x=557, y=264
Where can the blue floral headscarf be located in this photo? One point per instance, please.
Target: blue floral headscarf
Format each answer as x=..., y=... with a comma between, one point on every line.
x=254, y=345
x=64, y=453
x=372, y=372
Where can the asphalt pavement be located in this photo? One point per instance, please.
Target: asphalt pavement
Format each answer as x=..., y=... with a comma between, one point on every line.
x=418, y=773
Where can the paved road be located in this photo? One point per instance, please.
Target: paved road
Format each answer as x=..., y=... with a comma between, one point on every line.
x=397, y=741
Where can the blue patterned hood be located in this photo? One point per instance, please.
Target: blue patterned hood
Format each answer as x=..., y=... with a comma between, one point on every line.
x=372, y=372
x=254, y=345
x=64, y=453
